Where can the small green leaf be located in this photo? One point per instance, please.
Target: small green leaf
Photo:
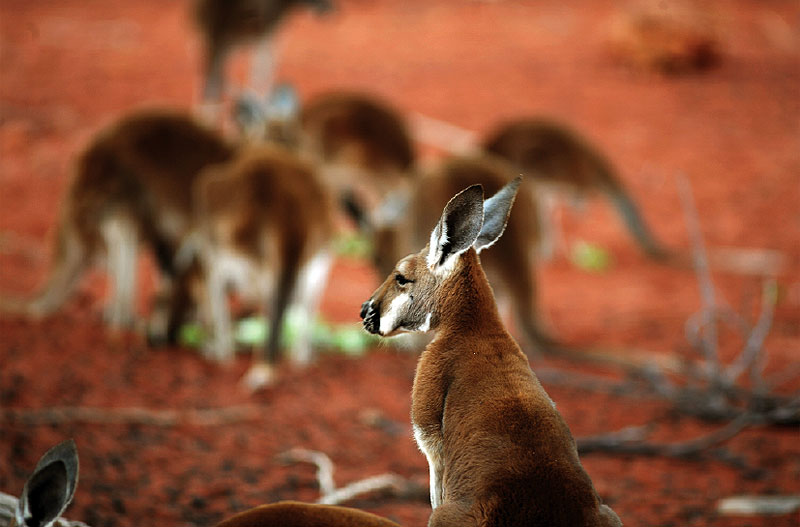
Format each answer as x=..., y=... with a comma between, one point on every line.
x=590, y=257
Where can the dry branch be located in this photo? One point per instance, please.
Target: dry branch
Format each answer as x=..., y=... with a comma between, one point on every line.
x=132, y=415
x=397, y=486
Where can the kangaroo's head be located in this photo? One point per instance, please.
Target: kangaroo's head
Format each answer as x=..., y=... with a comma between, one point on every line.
x=409, y=298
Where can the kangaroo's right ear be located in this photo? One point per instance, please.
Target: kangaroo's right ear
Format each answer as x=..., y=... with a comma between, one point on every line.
x=283, y=102
x=495, y=214
x=249, y=114
x=50, y=488
x=458, y=227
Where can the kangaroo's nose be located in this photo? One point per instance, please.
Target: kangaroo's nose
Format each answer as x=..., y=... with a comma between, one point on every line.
x=365, y=308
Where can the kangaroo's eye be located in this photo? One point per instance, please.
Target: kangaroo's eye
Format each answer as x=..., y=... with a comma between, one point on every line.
x=402, y=280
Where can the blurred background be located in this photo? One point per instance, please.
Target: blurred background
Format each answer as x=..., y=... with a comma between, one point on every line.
x=723, y=111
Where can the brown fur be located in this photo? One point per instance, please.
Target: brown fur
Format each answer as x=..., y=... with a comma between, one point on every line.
x=296, y=514
x=137, y=171
x=226, y=24
x=267, y=208
x=556, y=157
x=499, y=451
x=511, y=262
x=361, y=142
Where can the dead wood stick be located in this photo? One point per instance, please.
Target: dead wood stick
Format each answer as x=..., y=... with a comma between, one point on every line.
x=331, y=495
x=631, y=440
x=131, y=415
x=707, y=291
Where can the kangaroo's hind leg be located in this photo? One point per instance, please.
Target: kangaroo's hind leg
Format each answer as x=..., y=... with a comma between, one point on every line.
x=308, y=295
x=120, y=237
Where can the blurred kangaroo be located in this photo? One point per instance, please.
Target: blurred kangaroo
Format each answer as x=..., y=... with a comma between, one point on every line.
x=49, y=489
x=499, y=452
x=227, y=24
x=402, y=223
x=131, y=184
x=215, y=215
x=359, y=141
x=560, y=161
x=264, y=223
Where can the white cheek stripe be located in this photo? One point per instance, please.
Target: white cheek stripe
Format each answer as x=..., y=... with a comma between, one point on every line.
x=427, y=324
x=389, y=320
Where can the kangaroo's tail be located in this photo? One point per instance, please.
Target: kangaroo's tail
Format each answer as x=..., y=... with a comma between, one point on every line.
x=69, y=261
x=631, y=216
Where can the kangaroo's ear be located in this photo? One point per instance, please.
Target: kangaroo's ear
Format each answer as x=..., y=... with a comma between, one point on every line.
x=458, y=227
x=51, y=486
x=249, y=114
x=496, y=211
x=283, y=102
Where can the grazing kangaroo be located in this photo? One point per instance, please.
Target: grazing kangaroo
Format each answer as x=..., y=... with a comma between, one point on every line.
x=264, y=223
x=227, y=24
x=499, y=452
x=214, y=216
x=400, y=225
x=359, y=141
x=49, y=489
x=132, y=184
x=296, y=514
x=559, y=160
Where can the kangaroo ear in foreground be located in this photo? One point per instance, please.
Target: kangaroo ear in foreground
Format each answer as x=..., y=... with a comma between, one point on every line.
x=458, y=227
x=51, y=486
x=496, y=211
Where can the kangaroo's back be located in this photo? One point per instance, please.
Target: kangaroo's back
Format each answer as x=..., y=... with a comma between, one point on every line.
x=296, y=514
x=267, y=191
x=144, y=165
x=557, y=158
x=357, y=129
x=550, y=152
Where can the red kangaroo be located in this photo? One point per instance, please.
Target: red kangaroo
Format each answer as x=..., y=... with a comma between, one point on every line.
x=559, y=161
x=499, y=452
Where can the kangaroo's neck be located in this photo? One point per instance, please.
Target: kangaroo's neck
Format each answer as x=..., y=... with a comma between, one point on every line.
x=467, y=304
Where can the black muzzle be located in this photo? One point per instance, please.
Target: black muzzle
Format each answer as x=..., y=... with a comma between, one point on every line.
x=371, y=316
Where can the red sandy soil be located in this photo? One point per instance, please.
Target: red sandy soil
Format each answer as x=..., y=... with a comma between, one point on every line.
x=68, y=67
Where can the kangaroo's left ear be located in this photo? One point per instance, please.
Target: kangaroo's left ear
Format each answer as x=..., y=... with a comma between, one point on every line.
x=50, y=488
x=496, y=211
x=458, y=227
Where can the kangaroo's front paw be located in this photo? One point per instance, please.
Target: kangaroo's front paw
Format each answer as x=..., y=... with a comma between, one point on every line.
x=260, y=375
x=220, y=350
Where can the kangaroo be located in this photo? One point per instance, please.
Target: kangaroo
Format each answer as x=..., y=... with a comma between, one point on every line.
x=499, y=452
x=296, y=514
x=214, y=215
x=227, y=24
x=360, y=142
x=402, y=224
x=559, y=160
x=131, y=184
x=264, y=223
x=49, y=489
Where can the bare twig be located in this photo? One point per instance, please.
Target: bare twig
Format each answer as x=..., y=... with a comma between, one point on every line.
x=632, y=441
x=131, y=415
x=753, y=356
x=396, y=485
x=707, y=294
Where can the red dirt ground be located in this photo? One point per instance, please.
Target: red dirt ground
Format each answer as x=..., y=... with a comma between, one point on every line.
x=69, y=67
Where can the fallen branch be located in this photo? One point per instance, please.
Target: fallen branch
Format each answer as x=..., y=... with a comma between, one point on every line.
x=633, y=441
x=132, y=415
x=397, y=486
